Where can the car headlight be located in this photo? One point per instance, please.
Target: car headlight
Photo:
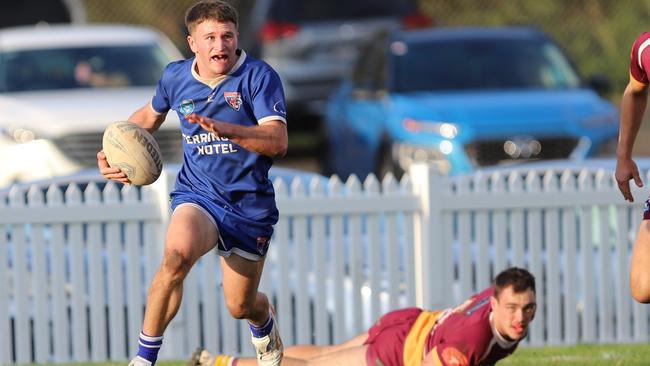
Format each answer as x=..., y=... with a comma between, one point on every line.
x=447, y=130
x=407, y=154
x=18, y=134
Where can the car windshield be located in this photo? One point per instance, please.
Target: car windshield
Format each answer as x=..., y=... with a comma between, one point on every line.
x=88, y=67
x=480, y=64
x=315, y=10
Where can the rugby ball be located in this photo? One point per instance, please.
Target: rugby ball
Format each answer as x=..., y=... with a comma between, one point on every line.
x=134, y=150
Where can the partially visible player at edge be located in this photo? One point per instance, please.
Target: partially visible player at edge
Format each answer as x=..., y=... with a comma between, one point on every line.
x=483, y=330
x=633, y=105
x=233, y=123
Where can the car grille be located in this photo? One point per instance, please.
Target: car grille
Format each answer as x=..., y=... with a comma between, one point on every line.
x=492, y=152
x=83, y=147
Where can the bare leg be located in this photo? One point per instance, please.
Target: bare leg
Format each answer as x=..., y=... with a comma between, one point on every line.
x=190, y=235
x=308, y=352
x=302, y=354
x=241, y=277
x=640, y=265
x=351, y=356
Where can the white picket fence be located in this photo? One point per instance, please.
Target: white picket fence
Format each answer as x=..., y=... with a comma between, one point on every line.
x=75, y=265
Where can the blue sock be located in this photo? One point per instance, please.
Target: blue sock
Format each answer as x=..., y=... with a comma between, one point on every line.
x=264, y=330
x=148, y=347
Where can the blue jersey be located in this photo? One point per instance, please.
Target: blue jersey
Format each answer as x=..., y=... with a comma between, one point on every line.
x=214, y=167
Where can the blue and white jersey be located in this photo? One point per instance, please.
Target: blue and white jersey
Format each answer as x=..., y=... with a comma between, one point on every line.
x=214, y=167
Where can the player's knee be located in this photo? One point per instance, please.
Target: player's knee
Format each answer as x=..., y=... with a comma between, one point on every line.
x=176, y=265
x=640, y=288
x=239, y=309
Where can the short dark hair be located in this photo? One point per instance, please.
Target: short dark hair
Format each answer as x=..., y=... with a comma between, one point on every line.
x=210, y=9
x=519, y=278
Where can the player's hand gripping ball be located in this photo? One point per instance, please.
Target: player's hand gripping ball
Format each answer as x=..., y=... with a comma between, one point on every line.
x=134, y=150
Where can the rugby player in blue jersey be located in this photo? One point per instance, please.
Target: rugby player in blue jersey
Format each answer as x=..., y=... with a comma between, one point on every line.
x=233, y=122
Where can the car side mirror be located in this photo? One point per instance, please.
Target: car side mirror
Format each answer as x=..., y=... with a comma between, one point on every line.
x=600, y=83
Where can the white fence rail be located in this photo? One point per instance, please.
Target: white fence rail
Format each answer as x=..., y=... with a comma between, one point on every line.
x=75, y=265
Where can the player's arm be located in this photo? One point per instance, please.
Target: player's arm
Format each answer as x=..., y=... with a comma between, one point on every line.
x=147, y=118
x=633, y=105
x=269, y=138
x=450, y=356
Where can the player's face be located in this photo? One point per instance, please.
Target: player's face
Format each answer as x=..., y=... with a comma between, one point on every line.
x=214, y=43
x=513, y=311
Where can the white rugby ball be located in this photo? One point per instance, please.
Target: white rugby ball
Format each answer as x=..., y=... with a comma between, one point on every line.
x=134, y=150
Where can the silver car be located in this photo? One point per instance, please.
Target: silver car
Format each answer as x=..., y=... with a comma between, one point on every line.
x=61, y=85
x=313, y=43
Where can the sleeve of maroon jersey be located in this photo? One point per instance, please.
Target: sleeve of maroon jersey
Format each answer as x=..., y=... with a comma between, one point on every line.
x=466, y=335
x=462, y=349
x=640, y=65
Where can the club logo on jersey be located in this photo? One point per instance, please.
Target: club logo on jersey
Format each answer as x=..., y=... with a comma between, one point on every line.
x=454, y=357
x=262, y=244
x=187, y=107
x=233, y=99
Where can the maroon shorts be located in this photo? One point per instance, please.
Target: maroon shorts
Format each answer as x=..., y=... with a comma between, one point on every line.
x=646, y=210
x=386, y=338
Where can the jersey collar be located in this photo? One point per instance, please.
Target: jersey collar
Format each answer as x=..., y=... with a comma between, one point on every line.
x=501, y=341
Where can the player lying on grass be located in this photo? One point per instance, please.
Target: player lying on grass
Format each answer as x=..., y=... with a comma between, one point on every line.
x=481, y=331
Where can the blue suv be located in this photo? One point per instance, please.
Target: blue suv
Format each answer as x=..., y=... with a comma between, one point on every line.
x=463, y=98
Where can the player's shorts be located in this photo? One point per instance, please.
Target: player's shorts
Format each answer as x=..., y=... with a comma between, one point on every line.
x=387, y=336
x=237, y=235
x=646, y=210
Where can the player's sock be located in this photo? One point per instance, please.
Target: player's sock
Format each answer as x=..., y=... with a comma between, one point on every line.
x=224, y=360
x=264, y=330
x=148, y=347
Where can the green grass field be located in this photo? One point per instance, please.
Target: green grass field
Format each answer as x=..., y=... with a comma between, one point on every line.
x=592, y=355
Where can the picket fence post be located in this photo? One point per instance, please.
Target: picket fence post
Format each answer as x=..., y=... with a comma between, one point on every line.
x=22, y=342
x=432, y=255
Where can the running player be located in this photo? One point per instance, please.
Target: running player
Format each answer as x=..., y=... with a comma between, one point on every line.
x=483, y=330
x=633, y=106
x=233, y=123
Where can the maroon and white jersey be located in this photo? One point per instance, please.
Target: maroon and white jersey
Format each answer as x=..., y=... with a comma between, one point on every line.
x=640, y=58
x=465, y=336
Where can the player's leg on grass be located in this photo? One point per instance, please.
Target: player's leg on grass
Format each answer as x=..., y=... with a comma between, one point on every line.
x=307, y=352
x=190, y=235
x=329, y=356
x=640, y=264
x=354, y=356
x=241, y=278
x=294, y=355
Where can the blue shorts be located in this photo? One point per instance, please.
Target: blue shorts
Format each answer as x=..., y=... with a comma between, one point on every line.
x=237, y=235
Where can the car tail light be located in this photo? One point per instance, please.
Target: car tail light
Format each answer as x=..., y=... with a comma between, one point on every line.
x=272, y=31
x=416, y=20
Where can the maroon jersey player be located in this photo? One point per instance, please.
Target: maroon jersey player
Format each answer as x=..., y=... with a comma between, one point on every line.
x=484, y=329
x=633, y=106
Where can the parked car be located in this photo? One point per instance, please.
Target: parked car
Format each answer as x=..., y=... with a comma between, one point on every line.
x=61, y=85
x=464, y=98
x=312, y=44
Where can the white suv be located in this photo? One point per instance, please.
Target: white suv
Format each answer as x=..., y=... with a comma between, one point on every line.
x=61, y=85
